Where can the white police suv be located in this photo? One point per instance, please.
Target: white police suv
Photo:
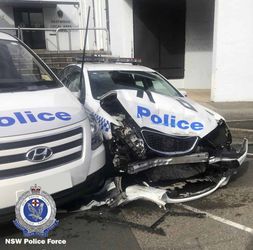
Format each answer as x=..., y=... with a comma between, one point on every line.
x=46, y=137
x=154, y=134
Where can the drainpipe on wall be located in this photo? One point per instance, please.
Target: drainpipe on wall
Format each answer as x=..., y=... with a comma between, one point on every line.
x=94, y=23
x=81, y=21
x=107, y=19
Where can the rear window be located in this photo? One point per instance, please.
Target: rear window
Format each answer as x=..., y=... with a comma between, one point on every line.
x=21, y=71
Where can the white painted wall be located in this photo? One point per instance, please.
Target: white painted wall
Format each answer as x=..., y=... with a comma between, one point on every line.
x=232, y=78
x=73, y=17
x=76, y=17
x=99, y=21
x=70, y=19
x=177, y=83
x=198, y=47
x=121, y=27
x=97, y=40
x=7, y=18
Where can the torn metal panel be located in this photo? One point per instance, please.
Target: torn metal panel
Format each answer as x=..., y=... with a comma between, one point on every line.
x=164, y=161
x=161, y=196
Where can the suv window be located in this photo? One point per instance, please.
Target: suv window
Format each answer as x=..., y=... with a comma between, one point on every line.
x=104, y=81
x=21, y=71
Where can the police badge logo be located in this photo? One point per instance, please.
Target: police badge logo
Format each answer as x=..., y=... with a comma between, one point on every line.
x=35, y=213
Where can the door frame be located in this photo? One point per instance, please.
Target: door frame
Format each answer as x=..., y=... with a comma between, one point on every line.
x=18, y=10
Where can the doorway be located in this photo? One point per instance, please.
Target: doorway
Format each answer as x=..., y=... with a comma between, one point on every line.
x=31, y=18
x=159, y=35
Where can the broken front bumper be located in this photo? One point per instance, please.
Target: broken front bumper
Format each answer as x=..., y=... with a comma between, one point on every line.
x=162, y=197
x=114, y=195
x=238, y=156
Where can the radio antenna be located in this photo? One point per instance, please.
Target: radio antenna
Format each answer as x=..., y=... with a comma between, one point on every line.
x=82, y=92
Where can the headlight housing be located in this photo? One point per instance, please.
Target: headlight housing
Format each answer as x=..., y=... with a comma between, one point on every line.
x=96, y=134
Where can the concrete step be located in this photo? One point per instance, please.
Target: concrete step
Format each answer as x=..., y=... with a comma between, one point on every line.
x=58, y=59
x=69, y=53
x=59, y=54
x=58, y=65
x=243, y=124
x=242, y=133
x=242, y=129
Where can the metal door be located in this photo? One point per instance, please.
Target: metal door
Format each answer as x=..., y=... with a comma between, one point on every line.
x=159, y=35
x=31, y=18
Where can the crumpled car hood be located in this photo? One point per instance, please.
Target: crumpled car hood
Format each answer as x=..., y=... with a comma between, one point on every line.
x=170, y=115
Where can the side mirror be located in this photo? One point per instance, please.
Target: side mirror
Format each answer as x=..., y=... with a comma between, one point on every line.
x=183, y=92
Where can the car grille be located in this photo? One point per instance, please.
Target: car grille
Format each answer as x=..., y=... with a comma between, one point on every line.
x=167, y=144
x=66, y=146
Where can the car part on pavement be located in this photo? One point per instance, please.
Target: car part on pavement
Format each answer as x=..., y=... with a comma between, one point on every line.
x=113, y=195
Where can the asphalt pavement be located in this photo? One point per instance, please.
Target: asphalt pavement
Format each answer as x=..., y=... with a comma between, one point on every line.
x=228, y=223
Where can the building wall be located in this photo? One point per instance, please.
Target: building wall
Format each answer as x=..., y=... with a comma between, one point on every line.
x=68, y=19
x=72, y=16
x=199, y=37
x=7, y=18
x=121, y=27
x=97, y=40
x=232, y=78
x=199, y=43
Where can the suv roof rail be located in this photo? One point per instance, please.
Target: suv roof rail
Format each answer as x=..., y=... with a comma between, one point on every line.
x=100, y=59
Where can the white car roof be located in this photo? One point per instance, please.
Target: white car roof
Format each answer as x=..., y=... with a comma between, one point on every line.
x=115, y=66
x=5, y=36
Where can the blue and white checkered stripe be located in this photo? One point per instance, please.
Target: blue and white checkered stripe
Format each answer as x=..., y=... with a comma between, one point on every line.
x=103, y=123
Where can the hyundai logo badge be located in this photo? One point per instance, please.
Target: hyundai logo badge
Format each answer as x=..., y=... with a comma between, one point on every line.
x=39, y=154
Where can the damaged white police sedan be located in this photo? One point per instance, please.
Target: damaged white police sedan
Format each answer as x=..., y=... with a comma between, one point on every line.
x=162, y=146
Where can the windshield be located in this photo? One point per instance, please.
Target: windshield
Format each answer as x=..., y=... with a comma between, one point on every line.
x=20, y=71
x=104, y=81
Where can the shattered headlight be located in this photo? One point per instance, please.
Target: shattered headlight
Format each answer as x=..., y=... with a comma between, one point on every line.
x=96, y=134
x=221, y=136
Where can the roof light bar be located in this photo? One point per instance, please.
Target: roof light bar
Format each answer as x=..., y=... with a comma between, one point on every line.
x=99, y=59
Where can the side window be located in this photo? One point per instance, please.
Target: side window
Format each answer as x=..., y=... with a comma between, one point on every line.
x=158, y=86
x=63, y=75
x=71, y=79
x=73, y=82
x=139, y=81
